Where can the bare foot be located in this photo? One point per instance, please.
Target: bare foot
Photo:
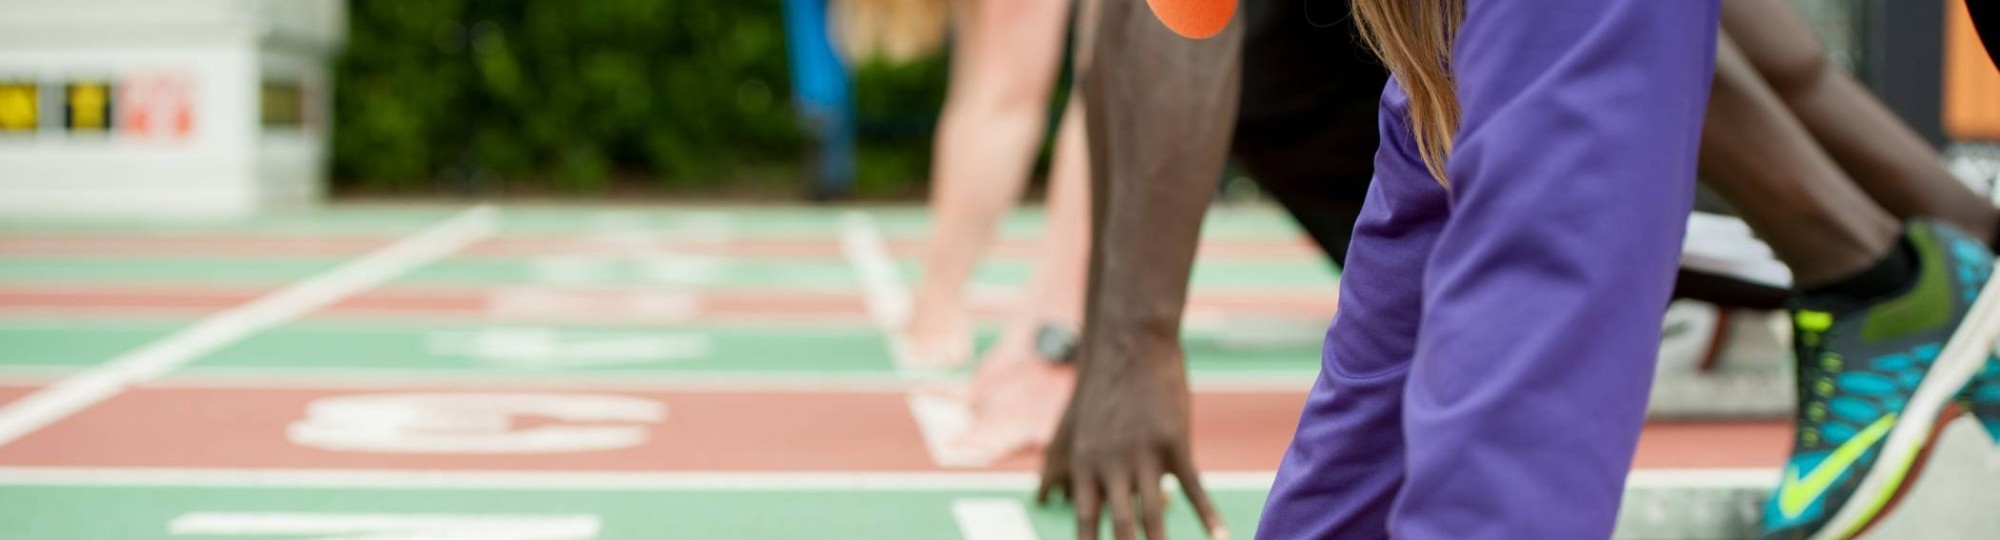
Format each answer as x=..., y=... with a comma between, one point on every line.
x=1016, y=400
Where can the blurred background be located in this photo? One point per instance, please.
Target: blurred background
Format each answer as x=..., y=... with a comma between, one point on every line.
x=314, y=100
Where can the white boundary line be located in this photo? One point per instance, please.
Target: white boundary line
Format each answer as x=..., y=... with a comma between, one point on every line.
x=834, y=481
x=1245, y=382
x=881, y=282
x=608, y=380
x=937, y=419
x=77, y=392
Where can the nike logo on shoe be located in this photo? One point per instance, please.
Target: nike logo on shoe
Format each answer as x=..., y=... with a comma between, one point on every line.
x=1797, y=492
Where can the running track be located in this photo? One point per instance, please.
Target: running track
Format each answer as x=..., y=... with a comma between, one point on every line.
x=564, y=372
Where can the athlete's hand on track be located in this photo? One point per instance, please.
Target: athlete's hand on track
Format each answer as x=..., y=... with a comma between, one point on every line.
x=1126, y=428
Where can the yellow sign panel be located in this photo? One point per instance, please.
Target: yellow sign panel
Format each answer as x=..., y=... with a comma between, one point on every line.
x=88, y=107
x=20, y=107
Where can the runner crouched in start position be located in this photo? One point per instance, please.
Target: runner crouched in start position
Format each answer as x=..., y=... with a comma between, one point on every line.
x=1513, y=411
x=1487, y=373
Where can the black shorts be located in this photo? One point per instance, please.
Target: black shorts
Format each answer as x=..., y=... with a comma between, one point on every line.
x=1986, y=17
x=1306, y=125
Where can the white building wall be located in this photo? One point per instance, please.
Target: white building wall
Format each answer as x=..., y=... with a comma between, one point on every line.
x=221, y=52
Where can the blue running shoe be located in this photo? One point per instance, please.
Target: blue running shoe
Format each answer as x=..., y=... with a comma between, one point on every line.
x=1875, y=380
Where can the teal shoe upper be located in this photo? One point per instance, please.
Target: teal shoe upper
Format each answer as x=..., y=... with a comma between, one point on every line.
x=1858, y=365
x=1982, y=396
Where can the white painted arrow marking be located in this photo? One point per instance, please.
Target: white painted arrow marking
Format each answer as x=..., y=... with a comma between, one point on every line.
x=475, y=423
x=549, y=348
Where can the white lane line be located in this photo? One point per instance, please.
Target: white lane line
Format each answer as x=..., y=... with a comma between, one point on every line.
x=778, y=381
x=76, y=392
x=881, y=283
x=938, y=420
x=836, y=481
x=512, y=480
x=992, y=519
x=804, y=380
x=384, y=526
x=1702, y=478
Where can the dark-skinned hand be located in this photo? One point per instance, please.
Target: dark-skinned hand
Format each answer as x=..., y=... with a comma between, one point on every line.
x=1125, y=429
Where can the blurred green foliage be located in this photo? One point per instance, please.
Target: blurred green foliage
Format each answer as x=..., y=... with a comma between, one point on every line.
x=568, y=96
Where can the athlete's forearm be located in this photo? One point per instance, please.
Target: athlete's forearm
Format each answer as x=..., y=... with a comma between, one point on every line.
x=1160, y=114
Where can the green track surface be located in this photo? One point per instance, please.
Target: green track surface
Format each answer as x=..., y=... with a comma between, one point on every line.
x=67, y=513
x=352, y=220
x=434, y=347
x=437, y=350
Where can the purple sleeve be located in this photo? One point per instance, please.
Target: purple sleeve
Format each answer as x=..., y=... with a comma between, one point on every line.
x=1571, y=180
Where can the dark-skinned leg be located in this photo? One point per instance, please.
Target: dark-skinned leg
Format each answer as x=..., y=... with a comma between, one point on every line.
x=1857, y=265
x=1160, y=108
x=1897, y=169
x=1788, y=189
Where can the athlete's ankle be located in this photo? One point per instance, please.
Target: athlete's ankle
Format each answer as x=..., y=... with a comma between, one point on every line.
x=1894, y=271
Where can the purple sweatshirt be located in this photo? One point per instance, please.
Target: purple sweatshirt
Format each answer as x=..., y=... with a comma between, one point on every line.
x=1487, y=374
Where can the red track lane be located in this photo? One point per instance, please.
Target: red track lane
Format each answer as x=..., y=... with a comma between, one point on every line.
x=547, y=246
x=10, y=393
x=597, y=305
x=709, y=431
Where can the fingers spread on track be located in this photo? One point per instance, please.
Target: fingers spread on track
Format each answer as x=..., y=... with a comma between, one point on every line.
x=1118, y=492
x=1085, y=491
x=1190, y=481
x=1152, y=505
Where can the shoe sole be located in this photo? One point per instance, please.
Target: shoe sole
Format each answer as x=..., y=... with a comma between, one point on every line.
x=1963, y=356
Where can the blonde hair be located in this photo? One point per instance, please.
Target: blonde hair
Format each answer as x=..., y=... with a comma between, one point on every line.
x=896, y=31
x=1414, y=39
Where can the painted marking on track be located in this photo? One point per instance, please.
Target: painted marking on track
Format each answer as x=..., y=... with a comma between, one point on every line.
x=627, y=246
x=761, y=432
x=540, y=347
x=835, y=481
x=546, y=302
x=938, y=420
x=791, y=380
x=372, y=526
x=474, y=423
x=232, y=377
x=817, y=481
x=881, y=283
x=659, y=267
x=82, y=390
x=638, y=228
x=992, y=519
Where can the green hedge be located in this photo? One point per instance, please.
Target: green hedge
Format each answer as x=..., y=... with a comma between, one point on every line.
x=574, y=96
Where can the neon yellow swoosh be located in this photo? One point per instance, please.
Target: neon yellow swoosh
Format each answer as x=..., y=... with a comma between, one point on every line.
x=1797, y=493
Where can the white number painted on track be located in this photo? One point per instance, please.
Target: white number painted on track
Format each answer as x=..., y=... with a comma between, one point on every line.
x=546, y=303
x=421, y=423
x=356, y=526
x=681, y=227
x=549, y=348
x=659, y=267
x=631, y=246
